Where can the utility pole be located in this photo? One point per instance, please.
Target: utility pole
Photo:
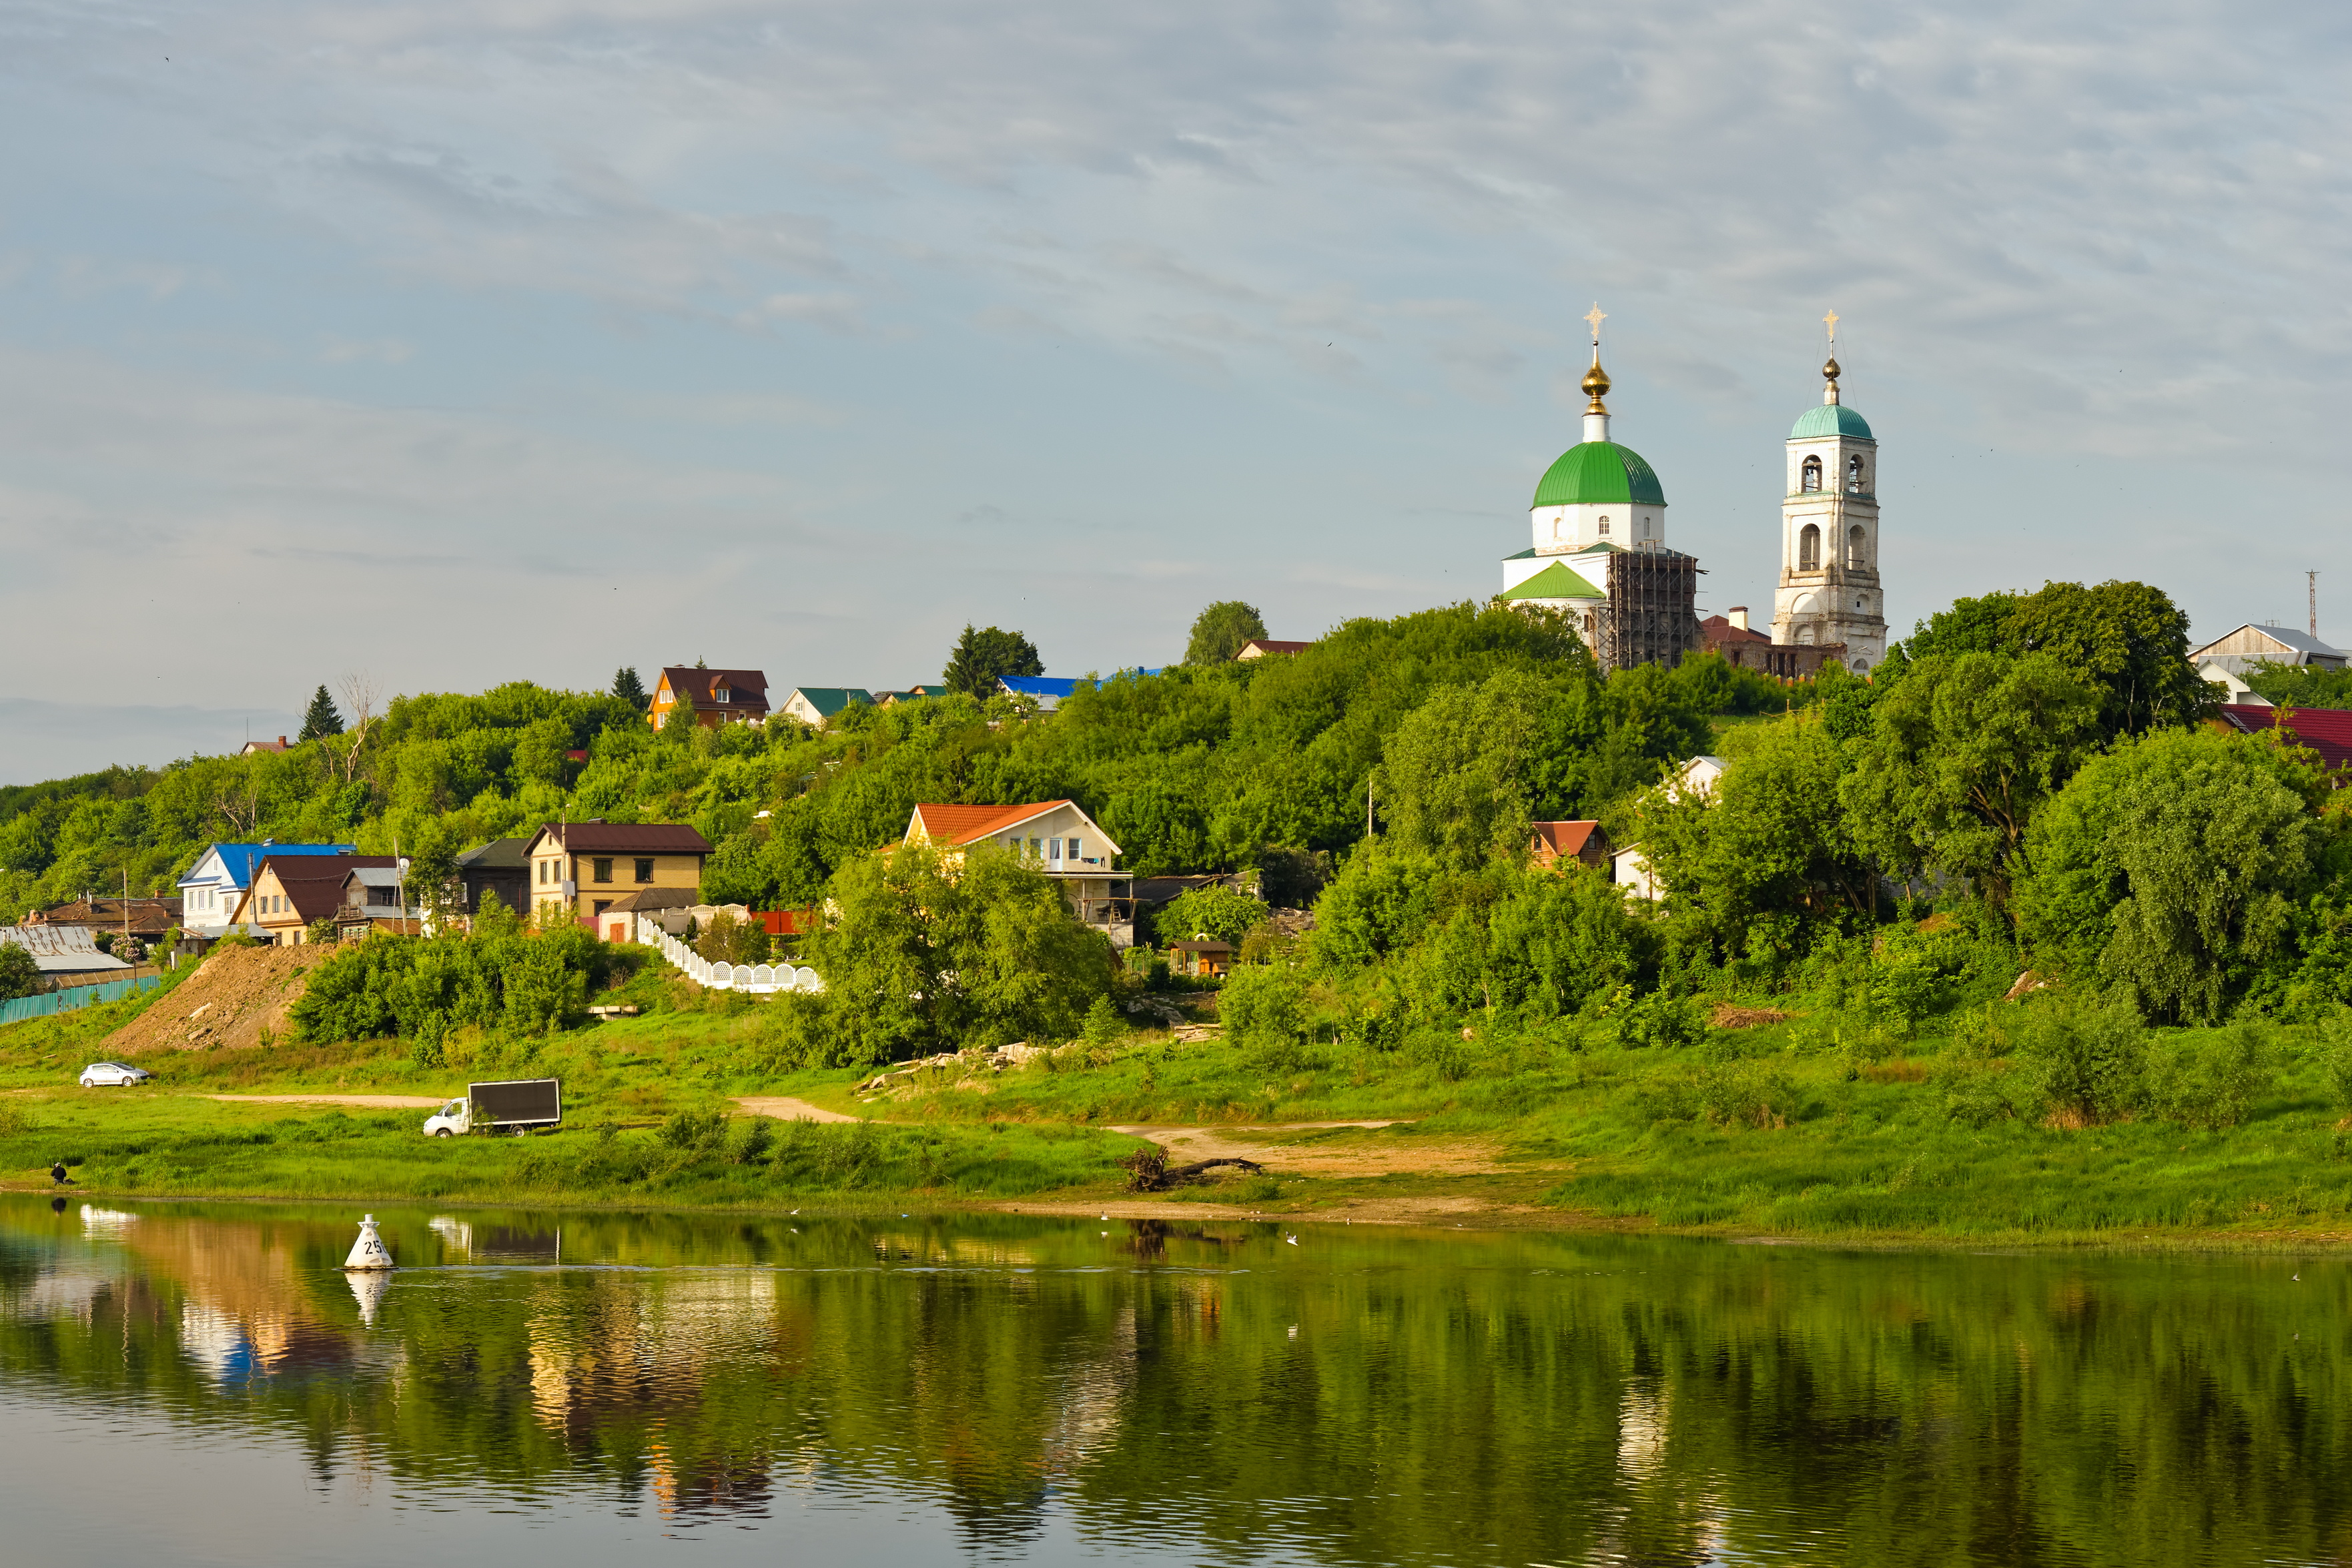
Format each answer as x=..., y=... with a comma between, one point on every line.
x=2312, y=580
x=1368, y=782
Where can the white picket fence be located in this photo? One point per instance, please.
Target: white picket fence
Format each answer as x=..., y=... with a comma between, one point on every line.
x=759, y=979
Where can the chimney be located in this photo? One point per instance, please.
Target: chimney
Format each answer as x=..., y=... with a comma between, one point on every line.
x=1738, y=616
x=282, y=743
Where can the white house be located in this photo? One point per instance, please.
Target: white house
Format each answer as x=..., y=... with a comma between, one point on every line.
x=1629, y=867
x=1058, y=838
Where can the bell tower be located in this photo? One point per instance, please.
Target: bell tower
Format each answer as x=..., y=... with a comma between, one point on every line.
x=1830, y=590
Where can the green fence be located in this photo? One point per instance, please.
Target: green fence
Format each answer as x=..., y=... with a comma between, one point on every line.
x=65, y=1000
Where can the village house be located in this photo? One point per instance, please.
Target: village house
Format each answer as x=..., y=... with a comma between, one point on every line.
x=2240, y=651
x=588, y=866
x=290, y=892
x=1741, y=645
x=2327, y=730
x=1574, y=843
x=1259, y=647
x=1202, y=957
x=1053, y=836
x=812, y=705
x=211, y=888
x=709, y=697
x=501, y=867
x=254, y=747
x=142, y=920
x=1629, y=866
x=372, y=901
x=65, y=955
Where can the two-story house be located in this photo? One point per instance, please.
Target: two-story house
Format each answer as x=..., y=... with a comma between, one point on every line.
x=588, y=866
x=709, y=697
x=290, y=891
x=1058, y=838
x=211, y=888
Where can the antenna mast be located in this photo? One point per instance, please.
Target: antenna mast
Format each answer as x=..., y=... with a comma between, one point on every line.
x=2311, y=580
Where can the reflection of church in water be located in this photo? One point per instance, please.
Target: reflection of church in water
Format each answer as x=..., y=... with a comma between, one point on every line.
x=1600, y=554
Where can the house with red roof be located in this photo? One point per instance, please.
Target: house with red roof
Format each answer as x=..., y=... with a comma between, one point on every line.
x=1573, y=843
x=2327, y=730
x=1056, y=837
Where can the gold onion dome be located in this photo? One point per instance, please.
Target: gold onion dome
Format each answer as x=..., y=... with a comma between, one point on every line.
x=1596, y=384
x=1829, y=371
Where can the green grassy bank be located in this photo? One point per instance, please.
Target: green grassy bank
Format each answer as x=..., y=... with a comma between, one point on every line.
x=1799, y=1128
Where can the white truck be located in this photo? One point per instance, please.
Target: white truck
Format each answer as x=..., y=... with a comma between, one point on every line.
x=510, y=1105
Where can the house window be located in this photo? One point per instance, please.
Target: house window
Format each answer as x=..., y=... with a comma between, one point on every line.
x=1054, y=851
x=645, y=871
x=1074, y=850
x=603, y=870
x=542, y=873
x=1811, y=480
x=1604, y=525
x=720, y=695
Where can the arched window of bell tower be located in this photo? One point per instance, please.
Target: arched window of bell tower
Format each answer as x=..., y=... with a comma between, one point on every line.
x=1811, y=480
x=1854, y=474
x=1808, y=548
x=1855, y=545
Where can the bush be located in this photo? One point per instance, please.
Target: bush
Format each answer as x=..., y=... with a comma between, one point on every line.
x=20, y=973
x=1103, y=1025
x=1669, y=1095
x=1749, y=1093
x=1974, y=1094
x=1264, y=1011
x=2086, y=1064
x=1978, y=1036
x=2213, y=1082
x=691, y=1131
x=1660, y=1022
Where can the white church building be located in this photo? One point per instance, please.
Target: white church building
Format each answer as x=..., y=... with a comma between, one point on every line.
x=1599, y=556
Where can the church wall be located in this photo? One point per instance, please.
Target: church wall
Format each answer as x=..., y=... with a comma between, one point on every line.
x=1571, y=528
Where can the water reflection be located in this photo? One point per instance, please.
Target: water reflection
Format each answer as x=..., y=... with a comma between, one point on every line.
x=1020, y=1388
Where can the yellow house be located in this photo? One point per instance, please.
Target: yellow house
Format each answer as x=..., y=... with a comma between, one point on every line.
x=588, y=866
x=290, y=891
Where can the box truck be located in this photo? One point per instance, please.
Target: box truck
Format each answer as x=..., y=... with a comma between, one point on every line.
x=510, y=1105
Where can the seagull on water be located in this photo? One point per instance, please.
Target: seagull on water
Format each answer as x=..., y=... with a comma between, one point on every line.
x=1292, y=1239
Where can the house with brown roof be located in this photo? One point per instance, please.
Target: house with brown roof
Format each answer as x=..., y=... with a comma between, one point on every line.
x=1572, y=843
x=1056, y=837
x=145, y=918
x=709, y=697
x=1258, y=647
x=290, y=891
x=1741, y=644
x=588, y=866
x=1201, y=956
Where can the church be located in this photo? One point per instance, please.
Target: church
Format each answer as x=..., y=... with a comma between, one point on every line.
x=1600, y=554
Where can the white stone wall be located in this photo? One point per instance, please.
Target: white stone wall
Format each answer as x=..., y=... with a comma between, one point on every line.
x=1558, y=530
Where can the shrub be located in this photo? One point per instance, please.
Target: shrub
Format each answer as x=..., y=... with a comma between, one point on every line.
x=1668, y=1095
x=1103, y=1025
x=1978, y=1036
x=1974, y=1094
x=2212, y=1082
x=1265, y=1010
x=1661, y=1021
x=2086, y=1064
x=1750, y=1093
x=691, y=1131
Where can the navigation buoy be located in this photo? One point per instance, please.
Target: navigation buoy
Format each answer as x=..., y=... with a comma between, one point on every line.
x=369, y=1251
x=368, y=1288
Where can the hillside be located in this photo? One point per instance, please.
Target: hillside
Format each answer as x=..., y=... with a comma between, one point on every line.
x=238, y=997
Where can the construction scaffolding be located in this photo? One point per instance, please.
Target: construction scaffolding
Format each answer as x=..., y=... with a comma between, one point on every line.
x=1651, y=616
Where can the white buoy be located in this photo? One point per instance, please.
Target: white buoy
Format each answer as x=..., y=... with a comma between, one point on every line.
x=368, y=1289
x=369, y=1251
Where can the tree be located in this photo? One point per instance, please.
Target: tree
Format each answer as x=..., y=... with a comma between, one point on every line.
x=1217, y=912
x=629, y=689
x=1219, y=632
x=2172, y=867
x=1455, y=779
x=321, y=721
x=981, y=658
x=923, y=952
x=20, y=973
x=1959, y=757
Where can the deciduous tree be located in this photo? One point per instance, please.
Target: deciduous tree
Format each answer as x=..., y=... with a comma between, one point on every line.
x=1219, y=632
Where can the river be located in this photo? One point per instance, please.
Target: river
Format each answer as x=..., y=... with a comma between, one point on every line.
x=201, y=1384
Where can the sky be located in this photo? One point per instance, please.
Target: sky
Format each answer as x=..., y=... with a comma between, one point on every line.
x=455, y=343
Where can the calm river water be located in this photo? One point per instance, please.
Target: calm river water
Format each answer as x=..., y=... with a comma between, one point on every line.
x=195, y=1384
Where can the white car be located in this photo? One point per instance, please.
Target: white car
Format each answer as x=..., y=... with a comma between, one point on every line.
x=101, y=1075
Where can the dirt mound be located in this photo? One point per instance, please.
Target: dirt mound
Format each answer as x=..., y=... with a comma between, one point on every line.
x=238, y=993
x=1726, y=1016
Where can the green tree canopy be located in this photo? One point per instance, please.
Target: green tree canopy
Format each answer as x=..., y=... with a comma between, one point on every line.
x=1219, y=631
x=1959, y=756
x=629, y=689
x=981, y=658
x=322, y=719
x=20, y=973
x=2172, y=866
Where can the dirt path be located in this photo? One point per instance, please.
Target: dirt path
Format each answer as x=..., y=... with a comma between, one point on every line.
x=785, y=1107
x=1457, y=1212
x=1279, y=1149
x=372, y=1101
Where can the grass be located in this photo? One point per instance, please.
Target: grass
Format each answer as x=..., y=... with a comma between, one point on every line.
x=1814, y=1127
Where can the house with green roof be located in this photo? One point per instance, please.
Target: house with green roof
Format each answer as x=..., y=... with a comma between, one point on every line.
x=815, y=704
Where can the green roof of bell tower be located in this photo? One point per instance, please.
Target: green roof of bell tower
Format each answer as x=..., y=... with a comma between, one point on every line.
x=1829, y=420
x=1597, y=471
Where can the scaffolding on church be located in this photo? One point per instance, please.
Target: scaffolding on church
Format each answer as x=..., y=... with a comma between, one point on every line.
x=1651, y=616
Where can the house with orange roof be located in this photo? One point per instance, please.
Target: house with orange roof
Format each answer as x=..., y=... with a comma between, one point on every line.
x=1056, y=837
x=1575, y=843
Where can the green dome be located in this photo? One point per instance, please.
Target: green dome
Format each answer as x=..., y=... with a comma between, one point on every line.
x=1830, y=420
x=1593, y=471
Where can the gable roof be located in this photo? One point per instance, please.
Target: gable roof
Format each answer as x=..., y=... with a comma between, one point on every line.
x=239, y=860
x=964, y=825
x=689, y=684
x=1554, y=582
x=2301, y=646
x=621, y=838
x=828, y=700
x=2327, y=730
x=1567, y=839
x=1718, y=630
x=497, y=855
x=314, y=883
x=1257, y=647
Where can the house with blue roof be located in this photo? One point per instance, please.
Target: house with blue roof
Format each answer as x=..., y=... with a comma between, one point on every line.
x=210, y=888
x=1047, y=690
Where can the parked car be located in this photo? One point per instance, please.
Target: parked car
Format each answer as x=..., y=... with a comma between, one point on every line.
x=117, y=1075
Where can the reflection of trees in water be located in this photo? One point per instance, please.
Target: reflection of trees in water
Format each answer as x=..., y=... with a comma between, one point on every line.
x=1505, y=1399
